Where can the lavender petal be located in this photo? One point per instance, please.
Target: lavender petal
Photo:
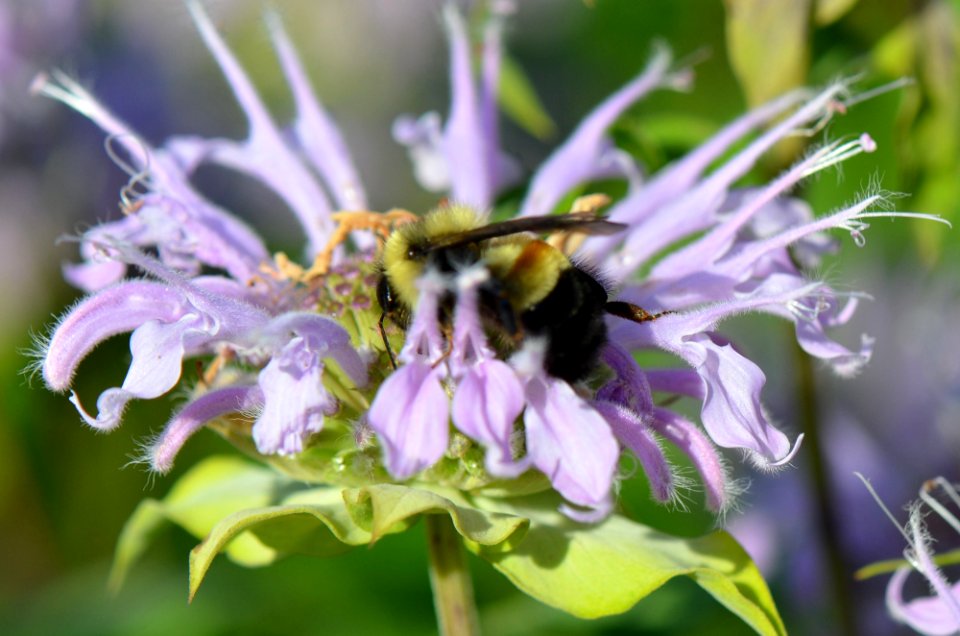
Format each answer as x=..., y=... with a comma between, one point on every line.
x=114, y=310
x=488, y=400
x=194, y=415
x=315, y=130
x=687, y=437
x=294, y=400
x=410, y=414
x=634, y=433
x=467, y=150
x=580, y=156
x=569, y=442
x=927, y=615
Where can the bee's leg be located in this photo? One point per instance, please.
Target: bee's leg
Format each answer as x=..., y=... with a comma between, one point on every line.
x=386, y=342
x=631, y=312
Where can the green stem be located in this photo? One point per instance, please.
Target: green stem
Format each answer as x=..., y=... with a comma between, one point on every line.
x=829, y=525
x=450, y=579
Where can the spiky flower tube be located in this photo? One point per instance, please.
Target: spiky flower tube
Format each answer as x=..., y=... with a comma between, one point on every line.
x=299, y=373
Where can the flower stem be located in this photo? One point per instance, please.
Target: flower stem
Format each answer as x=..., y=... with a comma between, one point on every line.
x=450, y=579
x=838, y=569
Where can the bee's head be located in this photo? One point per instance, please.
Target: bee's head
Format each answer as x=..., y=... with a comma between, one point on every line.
x=411, y=248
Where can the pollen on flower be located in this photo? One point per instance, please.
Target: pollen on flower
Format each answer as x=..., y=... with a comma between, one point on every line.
x=348, y=222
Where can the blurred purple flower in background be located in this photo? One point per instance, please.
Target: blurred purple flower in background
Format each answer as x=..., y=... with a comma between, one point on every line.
x=938, y=614
x=32, y=35
x=296, y=352
x=896, y=424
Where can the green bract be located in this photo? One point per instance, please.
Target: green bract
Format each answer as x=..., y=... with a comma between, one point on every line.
x=256, y=516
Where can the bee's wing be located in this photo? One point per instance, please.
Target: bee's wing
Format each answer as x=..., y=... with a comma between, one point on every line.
x=586, y=222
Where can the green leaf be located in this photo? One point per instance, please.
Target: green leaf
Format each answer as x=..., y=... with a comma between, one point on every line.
x=895, y=54
x=767, y=45
x=217, y=487
x=212, y=489
x=593, y=571
x=387, y=507
x=317, y=529
x=256, y=516
x=329, y=521
x=136, y=535
x=829, y=11
x=519, y=101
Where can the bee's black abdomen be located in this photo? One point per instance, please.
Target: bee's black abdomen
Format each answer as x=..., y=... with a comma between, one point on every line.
x=572, y=318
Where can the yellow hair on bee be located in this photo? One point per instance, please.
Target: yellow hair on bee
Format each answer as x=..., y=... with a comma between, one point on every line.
x=404, y=271
x=527, y=267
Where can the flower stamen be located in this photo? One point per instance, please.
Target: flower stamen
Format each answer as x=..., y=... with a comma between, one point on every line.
x=349, y=221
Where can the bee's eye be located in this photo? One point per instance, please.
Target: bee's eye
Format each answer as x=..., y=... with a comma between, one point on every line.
x=385, y=295
x=416, y=252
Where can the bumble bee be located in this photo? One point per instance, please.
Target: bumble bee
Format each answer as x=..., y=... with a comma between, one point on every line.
x=533, y=289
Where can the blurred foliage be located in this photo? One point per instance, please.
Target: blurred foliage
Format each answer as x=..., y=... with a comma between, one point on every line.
x=769, y=46
x=64, y=490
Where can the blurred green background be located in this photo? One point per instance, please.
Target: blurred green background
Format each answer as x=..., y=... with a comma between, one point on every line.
x=65, y=491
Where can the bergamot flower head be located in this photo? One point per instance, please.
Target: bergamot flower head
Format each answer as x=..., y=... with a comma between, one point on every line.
x=297, y=348
x=462, y=389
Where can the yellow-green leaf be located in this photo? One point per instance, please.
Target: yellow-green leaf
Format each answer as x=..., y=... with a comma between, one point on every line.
x=328, y=521
x=519, y=101
x=210, y=491
x=321, y=530
x=593, y=571
x=829, y=11
x=388, y=506
x=767, y=45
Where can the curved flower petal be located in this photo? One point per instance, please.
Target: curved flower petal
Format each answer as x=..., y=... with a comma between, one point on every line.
x=294, y=400
x=677, y=381
x=467, y=149
x=315, y=130
x=928, y=615
x=812, y=336
x=731, y=410
x=488, y=400
x=634, y=433
x=172, y=216
x=321, y=335
x=158, y=349
x=194, y=415
x=569, y=442
x=677, y=178
x=411, y=416
x=687, y=437
x=696, y=208
x=424, y=340
x=114, y=310
x=583, y=154
x=265, y=153
x=629, y=386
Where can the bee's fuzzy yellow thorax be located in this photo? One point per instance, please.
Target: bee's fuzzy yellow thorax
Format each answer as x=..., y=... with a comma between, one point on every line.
x=528, y=269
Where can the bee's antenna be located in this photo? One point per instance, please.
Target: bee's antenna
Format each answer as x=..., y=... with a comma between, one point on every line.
x=386, y=343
